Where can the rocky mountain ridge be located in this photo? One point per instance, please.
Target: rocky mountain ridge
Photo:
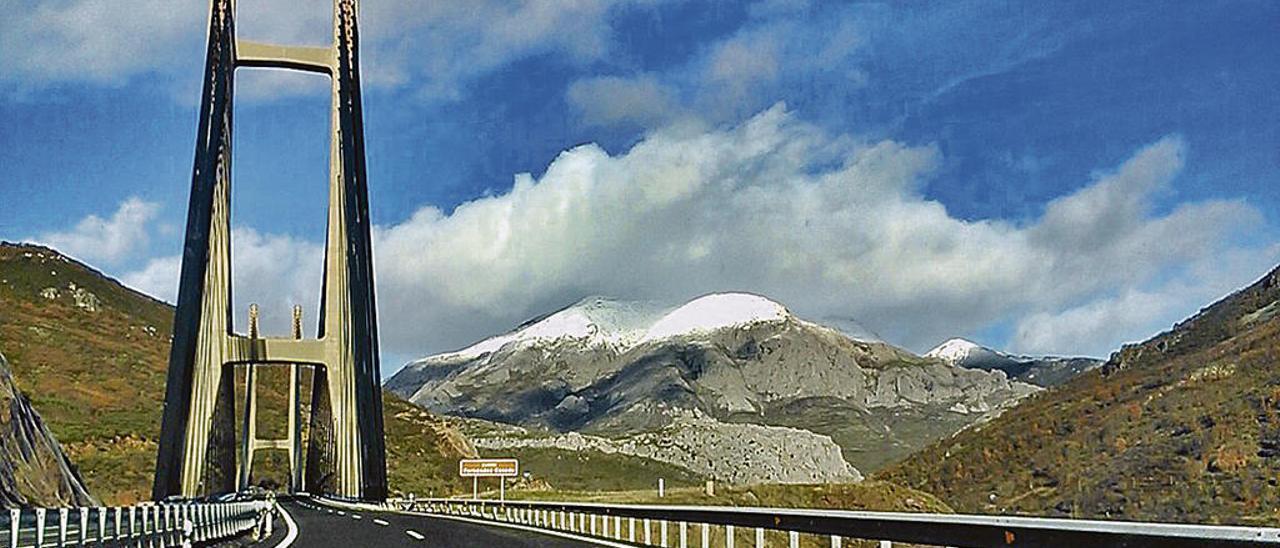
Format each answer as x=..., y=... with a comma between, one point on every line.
x=1044, y=371
x=731, y=358
x=1182, y=427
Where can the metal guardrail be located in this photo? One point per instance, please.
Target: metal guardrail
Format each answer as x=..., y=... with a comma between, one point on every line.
x=669, y=526
x=150, y=524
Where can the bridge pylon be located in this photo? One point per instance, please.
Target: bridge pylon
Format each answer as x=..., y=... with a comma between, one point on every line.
x=346, y=452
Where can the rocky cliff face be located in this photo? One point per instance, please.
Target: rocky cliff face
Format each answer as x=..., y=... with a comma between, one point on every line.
x=33, y=469
x=734, y=453
x=599, y=368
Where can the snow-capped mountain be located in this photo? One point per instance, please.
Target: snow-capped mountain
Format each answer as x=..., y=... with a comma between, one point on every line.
x=621, y=369
x=961, y=351
x=621, y=325
x=1038, y=370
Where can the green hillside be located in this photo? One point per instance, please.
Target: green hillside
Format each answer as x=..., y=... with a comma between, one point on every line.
x=92, y=354
x=1183, y=427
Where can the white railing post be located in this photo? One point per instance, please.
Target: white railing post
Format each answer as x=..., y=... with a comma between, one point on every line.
x=631, y=530
x=759, y=537
x=617, y=527
x=102, y=524
x=886, y=544
x=835, y=541
x=144, y=511
x=684, y=538
x=133, y=523
x=795, y=539
x=62, y=527
x=15, y=525
x=118, y=512
x=706, y=536
x=728, y=536
x=663, y=535
x=40, y=526
x=648, y=537
x=84, y=524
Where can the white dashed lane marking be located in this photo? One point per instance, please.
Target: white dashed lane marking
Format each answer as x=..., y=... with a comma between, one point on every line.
x=380, y=522
x=416, y=535
x=355, y=516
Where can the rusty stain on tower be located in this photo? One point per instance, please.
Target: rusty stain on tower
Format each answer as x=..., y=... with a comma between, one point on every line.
x=345, y=451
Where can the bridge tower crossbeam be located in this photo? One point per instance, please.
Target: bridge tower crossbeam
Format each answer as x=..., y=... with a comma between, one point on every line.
x=292, y=442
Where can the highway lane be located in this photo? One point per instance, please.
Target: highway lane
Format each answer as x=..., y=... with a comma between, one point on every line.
x=322, y=526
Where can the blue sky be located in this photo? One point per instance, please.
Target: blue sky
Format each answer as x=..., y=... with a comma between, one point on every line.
x=1042, y=177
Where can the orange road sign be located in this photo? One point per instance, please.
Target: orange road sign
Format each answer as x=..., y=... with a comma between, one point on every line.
x=488, y=468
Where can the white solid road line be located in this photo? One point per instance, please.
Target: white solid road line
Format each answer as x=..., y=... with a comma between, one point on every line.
x=414, y=534
x=293, y=529
x=381, y=522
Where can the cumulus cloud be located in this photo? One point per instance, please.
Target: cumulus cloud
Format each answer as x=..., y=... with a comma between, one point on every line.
x=829, y=225
x=110, y=240
x=158, y=278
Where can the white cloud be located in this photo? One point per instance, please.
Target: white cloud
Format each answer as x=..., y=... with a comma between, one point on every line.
x=95, y=40
x=782, y=51
x=1097, y=326
x=110, y=240
x=436, y=46
x=609, y=100
x=158, y=278
x=828, y=225
x=276, y=272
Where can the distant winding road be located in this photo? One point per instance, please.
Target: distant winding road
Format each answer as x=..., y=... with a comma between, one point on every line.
x=323, y=526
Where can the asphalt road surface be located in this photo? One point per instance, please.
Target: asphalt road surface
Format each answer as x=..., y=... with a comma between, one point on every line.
x=322, y=527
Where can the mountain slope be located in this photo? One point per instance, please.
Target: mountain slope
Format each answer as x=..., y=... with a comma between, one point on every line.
x=1182, y=427
x=92, y=356
x=33, y=469
x=627, y=371
x=1045, y=371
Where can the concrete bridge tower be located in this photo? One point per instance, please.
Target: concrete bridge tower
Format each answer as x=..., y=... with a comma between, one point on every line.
x=346, y=451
